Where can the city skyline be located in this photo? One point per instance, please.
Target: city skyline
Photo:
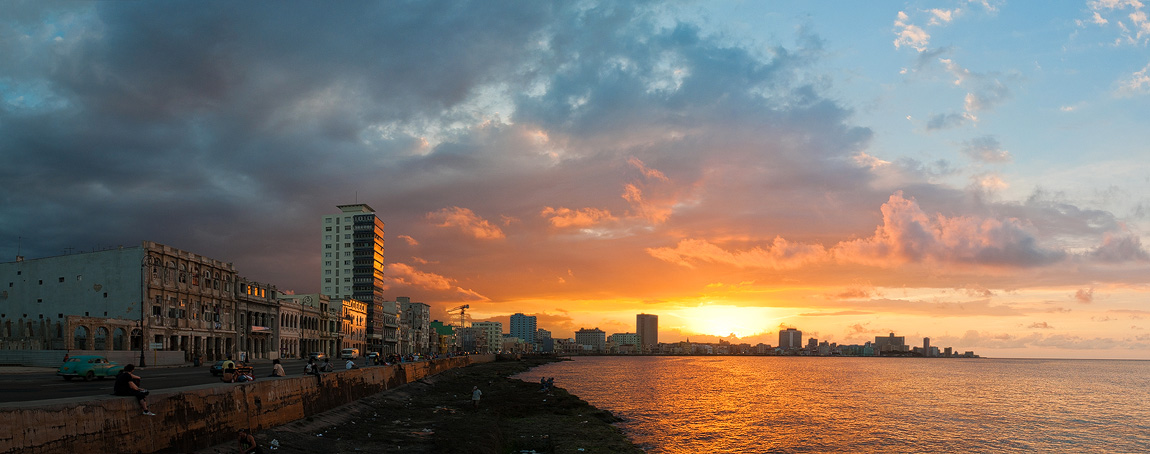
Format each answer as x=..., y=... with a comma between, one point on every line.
x=969, y=171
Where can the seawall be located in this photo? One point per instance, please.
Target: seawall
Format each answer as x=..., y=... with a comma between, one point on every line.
x=195, y=417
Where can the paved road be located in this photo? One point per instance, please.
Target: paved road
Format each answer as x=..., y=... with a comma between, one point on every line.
x=47, y=385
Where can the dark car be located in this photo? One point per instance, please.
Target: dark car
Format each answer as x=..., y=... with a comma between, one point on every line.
x=317, y=356
x=217, y=369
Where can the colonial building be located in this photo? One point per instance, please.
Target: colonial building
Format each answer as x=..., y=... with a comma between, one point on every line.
x=352, y=324
x=151, y=297
x=289, y=328
x=257, y=307
x=313, y=315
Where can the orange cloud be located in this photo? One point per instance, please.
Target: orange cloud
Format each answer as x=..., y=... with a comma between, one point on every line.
x=466, y=221
x=584, y=217
x=908, y=235
x=780, y=254
x=655, y=211
x=647, y=172
x=410, y=241
x=406, y=275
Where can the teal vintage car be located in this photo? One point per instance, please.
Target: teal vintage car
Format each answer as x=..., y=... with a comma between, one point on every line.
x=88, y=367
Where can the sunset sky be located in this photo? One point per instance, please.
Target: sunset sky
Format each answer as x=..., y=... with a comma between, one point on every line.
x=977, y=172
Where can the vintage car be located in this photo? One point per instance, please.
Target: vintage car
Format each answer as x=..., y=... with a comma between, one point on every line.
x=88, y=367
x=217, y=369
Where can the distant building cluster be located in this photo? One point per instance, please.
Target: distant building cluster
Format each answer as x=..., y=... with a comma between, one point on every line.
x=158, y=298
x=645, y=341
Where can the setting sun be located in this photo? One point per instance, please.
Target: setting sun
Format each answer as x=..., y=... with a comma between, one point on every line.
x=726, y=320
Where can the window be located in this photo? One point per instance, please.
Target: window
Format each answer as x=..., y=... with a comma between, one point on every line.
x=327, y=237
x=61, y=279
x=328, y=229
x=346, y=236
x=326, y=254
x=327, y=246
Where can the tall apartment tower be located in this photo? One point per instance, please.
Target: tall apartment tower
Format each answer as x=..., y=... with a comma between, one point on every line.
x=351, y=263
x=523, y=327
x=790, y=338
x=647, y=327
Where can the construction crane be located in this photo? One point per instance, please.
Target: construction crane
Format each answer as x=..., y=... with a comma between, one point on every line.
x=462, y=309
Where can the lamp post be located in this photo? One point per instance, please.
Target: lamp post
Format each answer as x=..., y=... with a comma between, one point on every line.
x=148, y=262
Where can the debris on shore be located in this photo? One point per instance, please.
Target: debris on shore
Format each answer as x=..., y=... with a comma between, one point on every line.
x=435, y=415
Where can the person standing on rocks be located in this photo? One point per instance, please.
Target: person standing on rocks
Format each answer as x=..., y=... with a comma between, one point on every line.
x=475, y=395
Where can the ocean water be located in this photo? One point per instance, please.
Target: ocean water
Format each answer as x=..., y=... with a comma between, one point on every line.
x=897, y=405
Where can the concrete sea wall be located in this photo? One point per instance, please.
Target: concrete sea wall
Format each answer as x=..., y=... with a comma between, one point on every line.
x=192, y=418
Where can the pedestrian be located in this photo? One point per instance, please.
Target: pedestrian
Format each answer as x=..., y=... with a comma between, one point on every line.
x=327, y=365
x=248, y=443
x=128, y=384
x=475, y=395
x=277, y=369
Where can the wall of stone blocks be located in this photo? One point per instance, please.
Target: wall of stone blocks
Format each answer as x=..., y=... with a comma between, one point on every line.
x=196, y=417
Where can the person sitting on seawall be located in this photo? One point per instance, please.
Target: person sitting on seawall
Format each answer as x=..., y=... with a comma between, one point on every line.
x=127, y=385
x=248, y=443
x=277, y=369
x=350, y=364
x=229, y=370
x=327, y=365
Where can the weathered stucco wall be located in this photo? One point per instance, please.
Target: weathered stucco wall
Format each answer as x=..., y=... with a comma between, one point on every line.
x=188, y=419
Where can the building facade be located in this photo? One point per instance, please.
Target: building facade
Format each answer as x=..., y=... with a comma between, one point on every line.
x=647, y=327
x=351, y=264
x=523, y=327
x=413, y=325
x=257, y=309
x=790, y=339
x=489, y=336
x=594, y=340
x=352, y=324
x=289, y=328
x=151, y=297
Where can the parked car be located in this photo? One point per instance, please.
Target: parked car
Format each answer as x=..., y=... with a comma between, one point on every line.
x=88, y=367
x=349, y=353
x=217, y=369
x=318, y=356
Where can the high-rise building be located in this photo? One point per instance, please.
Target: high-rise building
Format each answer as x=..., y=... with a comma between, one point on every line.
x=790, y=338
x=926, y=347
x=351, y=263
x=523, y=327
x=647, y=327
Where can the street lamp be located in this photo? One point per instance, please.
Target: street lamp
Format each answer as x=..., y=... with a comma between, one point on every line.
x=148, y=261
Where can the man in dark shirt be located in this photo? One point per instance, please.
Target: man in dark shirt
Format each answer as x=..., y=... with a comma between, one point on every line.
x=127, y=384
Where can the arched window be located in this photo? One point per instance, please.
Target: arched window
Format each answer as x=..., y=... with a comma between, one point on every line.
x=101, y=339
x=80, y=338
x=137, y=339
x=118, y=339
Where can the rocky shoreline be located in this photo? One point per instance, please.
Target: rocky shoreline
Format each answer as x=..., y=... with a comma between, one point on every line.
x=435, y=415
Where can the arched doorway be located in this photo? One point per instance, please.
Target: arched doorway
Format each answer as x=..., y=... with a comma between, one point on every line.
x=80, y=338
x=118, y=339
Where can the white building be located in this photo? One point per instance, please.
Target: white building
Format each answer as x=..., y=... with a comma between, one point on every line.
x=351, y=265
x=490, y=336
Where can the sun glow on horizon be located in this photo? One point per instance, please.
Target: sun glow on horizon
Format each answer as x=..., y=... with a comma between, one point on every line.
x=716, y=320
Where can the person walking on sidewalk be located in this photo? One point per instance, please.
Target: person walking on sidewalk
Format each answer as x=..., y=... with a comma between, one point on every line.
x=475, y=395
